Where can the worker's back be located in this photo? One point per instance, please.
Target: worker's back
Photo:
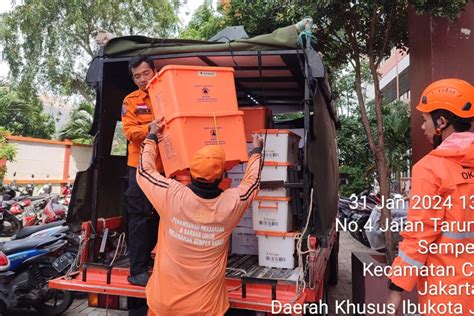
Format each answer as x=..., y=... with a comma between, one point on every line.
x=191, y=254
x=192, y=249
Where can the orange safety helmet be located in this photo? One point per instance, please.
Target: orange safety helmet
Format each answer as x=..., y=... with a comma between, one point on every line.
x=208, y=164
x=453, y=95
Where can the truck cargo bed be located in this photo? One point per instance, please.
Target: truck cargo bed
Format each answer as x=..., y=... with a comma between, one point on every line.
x=247, y=265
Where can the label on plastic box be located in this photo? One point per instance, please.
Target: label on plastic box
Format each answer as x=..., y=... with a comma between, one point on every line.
x=274, y=258
x=206, y=74
x=268, y=222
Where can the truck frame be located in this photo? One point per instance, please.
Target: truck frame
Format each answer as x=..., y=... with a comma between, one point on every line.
x=284, y=77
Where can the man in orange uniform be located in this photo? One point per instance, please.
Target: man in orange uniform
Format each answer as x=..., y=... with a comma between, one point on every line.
x=142, y=222
x=196, y=222
x=442, y=200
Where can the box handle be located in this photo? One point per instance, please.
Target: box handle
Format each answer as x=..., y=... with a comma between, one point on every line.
x=268, y=206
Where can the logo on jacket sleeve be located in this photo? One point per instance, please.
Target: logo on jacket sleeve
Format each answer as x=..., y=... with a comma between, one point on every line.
x=124, y=109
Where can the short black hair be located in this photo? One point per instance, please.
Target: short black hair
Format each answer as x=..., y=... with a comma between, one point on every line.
x=459, y=124
x=135, y=61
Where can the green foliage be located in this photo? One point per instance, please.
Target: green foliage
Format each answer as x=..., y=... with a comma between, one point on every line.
x=345, y=28
x=22, y=114
x=264, y=16
x=442, y=8
x=49, y=43
x=354, y=155
x=79, y=124
x=7, y=151
x=358, y=180
x=396, y=118
x=204, y=24
x=344, y=88
x=288, y=116
x=119, y=142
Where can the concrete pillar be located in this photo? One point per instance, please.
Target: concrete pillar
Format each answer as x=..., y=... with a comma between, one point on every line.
x=438, y=49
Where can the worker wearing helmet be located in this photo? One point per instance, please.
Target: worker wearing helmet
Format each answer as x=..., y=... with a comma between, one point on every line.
x=442, y=200
x=196, y=222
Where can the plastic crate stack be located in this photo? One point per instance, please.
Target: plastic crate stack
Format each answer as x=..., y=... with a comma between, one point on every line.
x=272, y=208
x=244, y=239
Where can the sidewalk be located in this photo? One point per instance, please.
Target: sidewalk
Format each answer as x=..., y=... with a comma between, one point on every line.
x=343, y=289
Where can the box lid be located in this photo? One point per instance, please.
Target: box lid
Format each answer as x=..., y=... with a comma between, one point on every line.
x=273, y=198
x=277, y=164
x=276, y=234
x=276, y=132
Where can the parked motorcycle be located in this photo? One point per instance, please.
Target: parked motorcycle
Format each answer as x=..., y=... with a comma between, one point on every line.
x=50, y=229
x=9, y=224
x=356, y=209
x=53, y=211
x=26, y=266
x=7, y=193
x=47, y=211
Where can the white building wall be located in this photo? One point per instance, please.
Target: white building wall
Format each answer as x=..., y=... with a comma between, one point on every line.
x=80, y=159
x=391, y=75
x=45, y=160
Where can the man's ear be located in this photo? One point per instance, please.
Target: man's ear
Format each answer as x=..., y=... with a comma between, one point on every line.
x=442, y=122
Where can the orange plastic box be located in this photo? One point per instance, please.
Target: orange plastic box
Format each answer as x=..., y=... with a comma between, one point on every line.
x=199, y=105
x=255, y=118
x=179, y=89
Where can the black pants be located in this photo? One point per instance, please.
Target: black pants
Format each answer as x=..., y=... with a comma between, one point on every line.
x=142, y=225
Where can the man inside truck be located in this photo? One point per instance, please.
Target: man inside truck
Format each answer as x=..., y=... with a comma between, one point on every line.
x=196, y=222
x=141, y=220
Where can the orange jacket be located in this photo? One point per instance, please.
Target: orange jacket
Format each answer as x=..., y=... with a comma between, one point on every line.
x=442, y=193
x=193, y=239
x=136, y=115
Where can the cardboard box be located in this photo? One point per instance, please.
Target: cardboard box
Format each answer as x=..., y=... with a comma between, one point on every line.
x=247, y=219
x=244, y=241
x=236, y=179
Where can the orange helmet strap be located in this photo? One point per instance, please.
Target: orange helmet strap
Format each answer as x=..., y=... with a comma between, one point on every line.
x=438, y=136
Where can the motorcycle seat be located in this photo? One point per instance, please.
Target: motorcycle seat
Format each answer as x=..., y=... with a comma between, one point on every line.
x=9, y=247
x=9, y=203
x=26, y=231
x=32, y=197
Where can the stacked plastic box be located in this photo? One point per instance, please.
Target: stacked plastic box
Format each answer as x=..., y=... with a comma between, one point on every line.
x=244, y=239
x=272, y=213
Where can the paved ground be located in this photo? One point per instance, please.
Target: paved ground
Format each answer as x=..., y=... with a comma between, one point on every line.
x=343, y=290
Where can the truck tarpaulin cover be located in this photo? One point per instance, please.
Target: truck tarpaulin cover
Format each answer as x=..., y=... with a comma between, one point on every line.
x=132, y=45
x=105, y=180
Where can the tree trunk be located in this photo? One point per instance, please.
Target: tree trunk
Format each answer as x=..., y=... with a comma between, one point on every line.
x=386, y=216
x=378, y=150
x=382, y=165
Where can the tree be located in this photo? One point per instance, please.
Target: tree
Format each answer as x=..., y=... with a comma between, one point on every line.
x=353, y=153
x=7, y=152
x=23, y=115
x=204, y=24
x=368, y=30
x=396, y=120
x=48, y=44
x=349, y=33
x=79, y=124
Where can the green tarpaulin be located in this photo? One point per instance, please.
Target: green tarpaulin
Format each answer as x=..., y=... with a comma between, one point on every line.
x=283, y=38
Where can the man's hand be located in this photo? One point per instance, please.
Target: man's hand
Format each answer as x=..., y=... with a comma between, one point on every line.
x=257, y=141
x=157, y=126
x=394, y=298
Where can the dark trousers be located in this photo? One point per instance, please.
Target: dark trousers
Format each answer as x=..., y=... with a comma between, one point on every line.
x=142, y=225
